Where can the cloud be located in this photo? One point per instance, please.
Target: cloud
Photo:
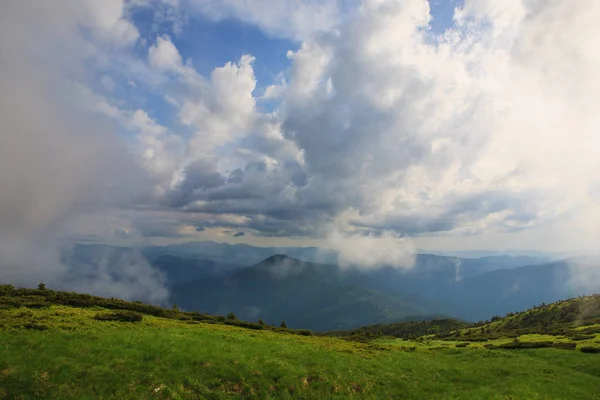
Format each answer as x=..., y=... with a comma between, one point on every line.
x=164, y=55
x=584, y=275
x=370, y=251
x=393, y=128
x=379, y=130
x=58, y=161
x=294, y=19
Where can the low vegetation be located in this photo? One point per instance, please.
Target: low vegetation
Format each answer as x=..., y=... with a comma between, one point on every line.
x=11, y=297
x=404, y=330
x=109, y=349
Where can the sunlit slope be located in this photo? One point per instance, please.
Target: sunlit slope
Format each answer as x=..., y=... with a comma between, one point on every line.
x=64, y=352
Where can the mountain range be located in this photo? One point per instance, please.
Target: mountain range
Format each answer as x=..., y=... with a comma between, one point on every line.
x=300, y=286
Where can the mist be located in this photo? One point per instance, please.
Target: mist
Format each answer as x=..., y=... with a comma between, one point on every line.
x=58, y=161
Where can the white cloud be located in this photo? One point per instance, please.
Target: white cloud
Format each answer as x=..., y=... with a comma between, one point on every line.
x=106, y=20
x=295, y=19
x=57, y=161
x=164, y=55
x=370, y=251
x=383, y=130
x=226, y=110
x=489, y=127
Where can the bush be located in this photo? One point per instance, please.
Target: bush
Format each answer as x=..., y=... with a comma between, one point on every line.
x=591, y=350
x=283, y=324
x=463, y=344
x=523, y=345
x=231, y=316
x=477, y=339
x=36, y=327
x=564, y=345
x=583, y=337
x=121, y=316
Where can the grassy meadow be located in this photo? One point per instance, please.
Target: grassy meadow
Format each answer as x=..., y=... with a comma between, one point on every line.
x=67, y=352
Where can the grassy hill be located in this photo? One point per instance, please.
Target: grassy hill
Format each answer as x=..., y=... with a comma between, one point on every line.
x=411, y=329
x=57, y=345
x=575, y=321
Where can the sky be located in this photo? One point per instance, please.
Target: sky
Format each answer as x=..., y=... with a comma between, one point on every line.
x=369, y=127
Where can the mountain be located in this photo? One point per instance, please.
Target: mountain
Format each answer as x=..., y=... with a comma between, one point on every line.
x=242, y=254
x=304, y=294
x=506, y=290
x=477, y=295
x=321, y=295
x=179, y=270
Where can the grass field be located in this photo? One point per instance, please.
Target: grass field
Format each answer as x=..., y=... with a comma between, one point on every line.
x=62, y=352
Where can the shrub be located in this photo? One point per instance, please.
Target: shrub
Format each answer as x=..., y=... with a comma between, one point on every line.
x=231, y=316
x=564, y=345
x=283, y=325
x=36, y=327
x=463, y=344
x=478, y=339
x=589, y=349
x=121, y=316
x=523, y=345
x=583, y=337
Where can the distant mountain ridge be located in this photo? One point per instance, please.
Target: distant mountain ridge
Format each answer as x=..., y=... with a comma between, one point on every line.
x=314, y=296
x=323, y=296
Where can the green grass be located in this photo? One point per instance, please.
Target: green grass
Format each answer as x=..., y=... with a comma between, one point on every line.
x=76, y=356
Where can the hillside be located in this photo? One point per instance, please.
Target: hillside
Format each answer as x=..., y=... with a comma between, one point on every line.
x=308, y=295
x=567, y=324
x=411, y=329
x=53, y=350
x=576, y=319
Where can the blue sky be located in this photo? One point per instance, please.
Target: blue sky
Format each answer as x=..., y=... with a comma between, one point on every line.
x=210, y=43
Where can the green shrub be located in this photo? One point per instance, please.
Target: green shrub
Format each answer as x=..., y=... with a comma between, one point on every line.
x=463, y=344
x=477, y=339
x=36, y=327
x=564, y=345
x=523, y=345
x=121, y=316
x=589, y=349
x=583, y=337
x=232, y=316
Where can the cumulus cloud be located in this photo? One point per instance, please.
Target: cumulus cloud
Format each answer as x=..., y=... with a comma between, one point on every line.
x=382, y=129
x=164, y=55
x=482, y=130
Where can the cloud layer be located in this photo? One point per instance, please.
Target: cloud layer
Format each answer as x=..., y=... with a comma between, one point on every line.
x=379, y=131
